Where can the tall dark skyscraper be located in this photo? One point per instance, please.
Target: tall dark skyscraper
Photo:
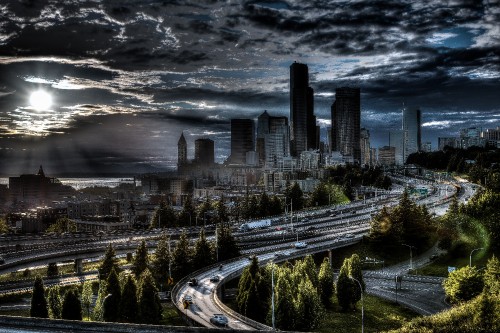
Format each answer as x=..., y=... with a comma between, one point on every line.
x=302, y=119
x=346, y=114
x=204, y=152
x=181, y=151
x=242, y=139
x=412, y=131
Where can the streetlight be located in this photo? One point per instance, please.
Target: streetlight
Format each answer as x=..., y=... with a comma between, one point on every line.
x=470, y=256
x=411, y=255
x=272, y=294
x=362, y=304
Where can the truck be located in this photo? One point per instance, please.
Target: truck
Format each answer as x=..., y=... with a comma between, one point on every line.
x=255, y=225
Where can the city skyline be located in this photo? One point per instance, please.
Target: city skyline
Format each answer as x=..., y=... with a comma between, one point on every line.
x=127, y=80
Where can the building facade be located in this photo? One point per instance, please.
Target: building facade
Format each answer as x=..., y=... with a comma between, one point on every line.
x=346, y=114
x=242, y=139
x=204, y=152
x=412, y=131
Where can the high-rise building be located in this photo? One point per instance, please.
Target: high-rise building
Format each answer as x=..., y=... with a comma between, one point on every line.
x=387, y=155
x=273, y=139
x=365, y=146
x=242, y=139
x=346, y=114
x=491, y=137
x=302, y=119
x=426, y=147
x=181, y=151
x=204, y=152
x=470, y=137
x=396, y=140
x=412, y=131
x=448, y=142
x=262, y=130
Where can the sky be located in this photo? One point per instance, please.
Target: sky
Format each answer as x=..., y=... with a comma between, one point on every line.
x=127, y=77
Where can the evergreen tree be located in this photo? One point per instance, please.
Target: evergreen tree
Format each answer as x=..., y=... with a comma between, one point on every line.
x=344, y=287
x=181, y=257
x=39, y=307
x=203, y=252
x=284, y=308
x=71, y=306
x=356, y=273
x=161, y=261
x=164, y=217
x=97, y=313
x=275, y=206
x=54, y=302
x=141, y=260
x=111, y=304
x=204, y=210
x=295, y=196
x=150, y=309
x=87, y=295
x=187, y=214
x=326, y=281
x=463, y=284
x=319, y=196
x=264, y=205
x=128, y=303
x=108, y=263
x=52, y=269
x=226, y=244
x=252, y=207
x=491, y=277
x=222, y=216
x=308, y=306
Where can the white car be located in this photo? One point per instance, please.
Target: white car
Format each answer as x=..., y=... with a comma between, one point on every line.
x=300, y=245
x=219, y=320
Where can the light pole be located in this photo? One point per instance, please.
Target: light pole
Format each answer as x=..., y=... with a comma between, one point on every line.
x=470, y=256
x=362, y=304
x=411, y=255
x=272, y=294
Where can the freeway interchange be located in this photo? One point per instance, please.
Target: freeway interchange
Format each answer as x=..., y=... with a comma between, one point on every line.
x=321, y=229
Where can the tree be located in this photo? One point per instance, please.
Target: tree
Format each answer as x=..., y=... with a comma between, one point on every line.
x=4, y=227
x=87, y=295
x=148, y=301
x=52, y=269
x=111, y=304
x=203, y=252
x=61, y=225
x=97, y=313
x=326, y=282
x=108, y=263
x=141, y=260
x=284, y=307
x=38, y=301
x=181, y=257
x=491, y=277
x=187, y=214
x=264, y=205
x=344, y=286
x=295, y=196
x=222, y=216
x=463, y=284
x=160, y=263
x=320, y=196
x=356, y=273
x=54, y=302
x=308, y=306
x=71, y=306
x=164, y=217
x=226, y=244
x=203, y=210
x=128, y=303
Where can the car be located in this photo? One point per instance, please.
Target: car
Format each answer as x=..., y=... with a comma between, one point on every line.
x=219, y=320
x=188, y=299
x=193, y=282
x=333, y=214
x=311, y=228
x=215, y=278
x=300, y=245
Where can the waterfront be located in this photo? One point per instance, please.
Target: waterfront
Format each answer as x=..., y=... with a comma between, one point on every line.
x=79, y=183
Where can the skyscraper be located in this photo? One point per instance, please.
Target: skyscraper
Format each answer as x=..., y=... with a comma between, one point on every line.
x=412, y=131
x=181, y=151
x=302, y=119
x=204, y=152
x=346, y=114
x=365, y=147
x=242, y=139
x=273, y=139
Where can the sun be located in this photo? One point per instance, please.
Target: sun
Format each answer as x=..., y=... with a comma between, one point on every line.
x=40, y=100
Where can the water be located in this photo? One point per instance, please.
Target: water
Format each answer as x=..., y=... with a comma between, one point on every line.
x=79, y=183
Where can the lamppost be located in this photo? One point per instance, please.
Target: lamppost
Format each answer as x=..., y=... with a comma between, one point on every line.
x=411, y=255
x=470, y=256
x=362, y=304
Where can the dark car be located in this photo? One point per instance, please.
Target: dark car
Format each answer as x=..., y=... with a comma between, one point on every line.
x=219, y=320
x=193, y=282
x=215, y=278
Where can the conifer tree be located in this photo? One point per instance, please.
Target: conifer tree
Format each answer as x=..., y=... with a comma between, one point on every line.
x=344, y=287
x=39, y=307
x=181, y=257
x=203, y=252
x=356, y=273
x=186, y=216
x=128, y=304
x=264, y=205
x=141, y=260
x=491, y=277
x=52, y=269
x=326, y=281
x=54, y=302
x=109, y=263
x=160, y=261
x=111, y=304
x=226, y=244
x=164, y=217
x=309, y=309
x=150, y=309
x=71, y=306
x=97, y=313
x=284, y=307
x=87, y=295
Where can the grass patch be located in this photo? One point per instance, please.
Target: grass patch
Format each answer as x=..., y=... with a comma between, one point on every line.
x=380, y=315
x=439, y=267
x=16, y=313
x=170, y=316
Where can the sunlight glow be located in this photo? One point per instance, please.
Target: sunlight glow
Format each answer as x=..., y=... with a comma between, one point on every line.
x=40, y=100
